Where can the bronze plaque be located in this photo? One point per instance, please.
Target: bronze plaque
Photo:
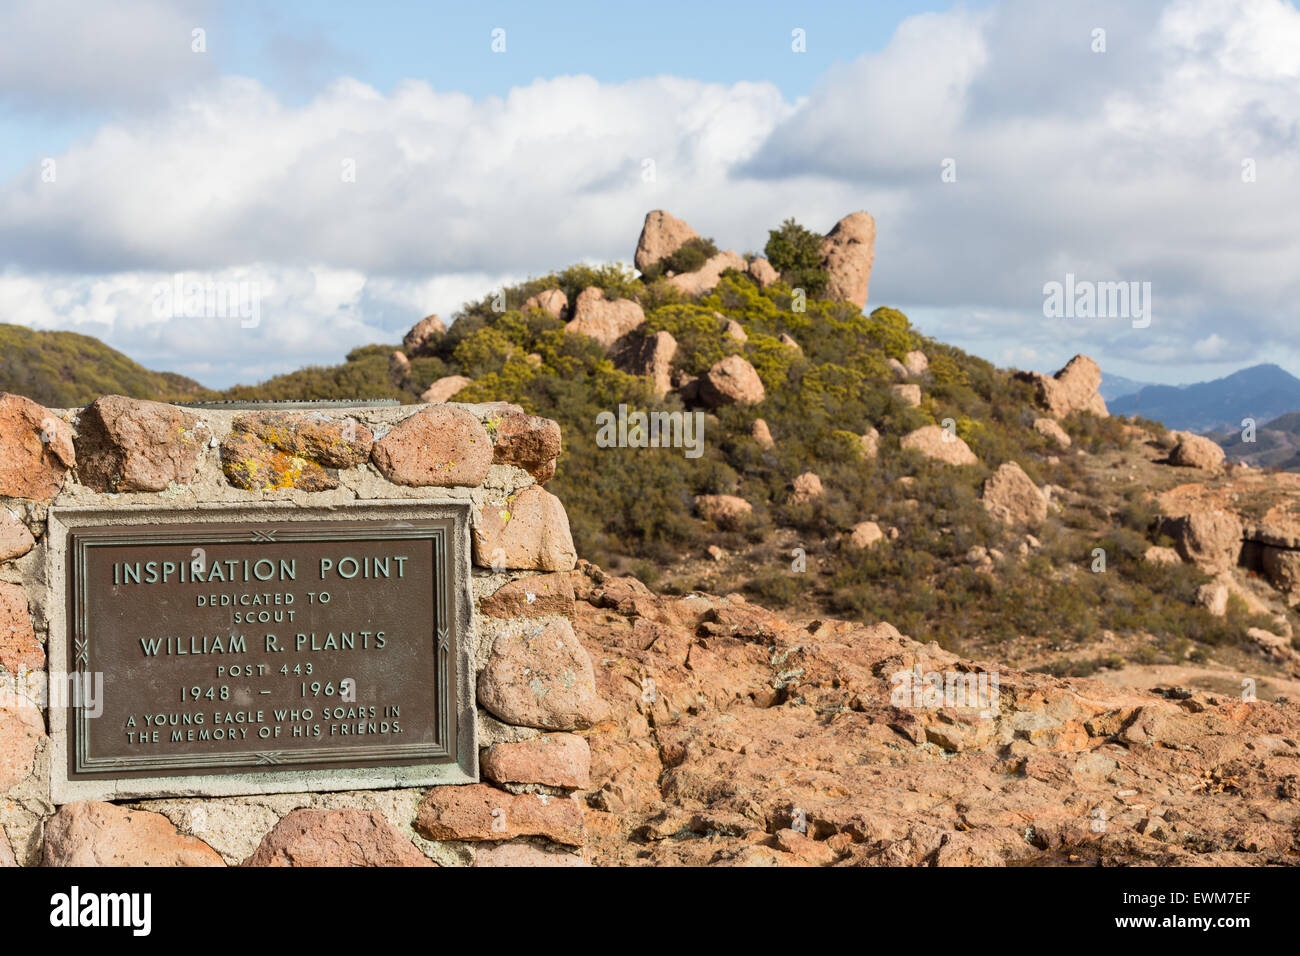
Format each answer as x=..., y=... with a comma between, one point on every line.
x=256, y=647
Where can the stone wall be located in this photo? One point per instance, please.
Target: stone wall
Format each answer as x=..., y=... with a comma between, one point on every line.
x=532, y=681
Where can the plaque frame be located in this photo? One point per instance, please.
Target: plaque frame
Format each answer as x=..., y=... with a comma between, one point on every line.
x=452, y=759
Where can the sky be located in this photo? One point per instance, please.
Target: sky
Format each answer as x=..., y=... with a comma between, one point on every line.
x=360, y=166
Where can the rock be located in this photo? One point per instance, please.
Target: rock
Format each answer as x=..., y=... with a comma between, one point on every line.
x=15, y=539
x=1157, y=556
x=551, y=301
x=36, y=449
x=652, y=357
x=1282, y=568
x=1072, y=389
x=529, y=532
x=1213, y=597
x=541, y=679
x=253, y=465
x=529, y=442
x=439, y=446
x=423, y=335
x=602, y=319
x=907, y=394
x=1194, y=451
x=732, y=381
x=555, y=760
x=524, y=854
x=726, y=511
x=399, y=367
x=806, y=487
x=789, y=342
x=898, y=368
x=714, y=552
x=865, y=534
x=444, y=388
x=1049, y=429
x=20, y=652
x=736, y=331
x=916, y=363
x=540, y=595
x=763, y=272
x=706, y=277
x=661, y=235
x=125, y=444
x=934, y=442
x=1011, y=497
x=1209, y=539
x=329, y=442
x=21, y=733
x=6, y=852
x=103, y=834
x=1274, y=644
x=761, y=433
x=480, y=812
x=870, y=442
x=336, y=838
x=848, y=251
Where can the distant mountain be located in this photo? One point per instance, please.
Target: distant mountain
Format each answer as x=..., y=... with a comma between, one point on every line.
x=63, y=369
x=1276, y=444
x=1262, y=392
x=1117, y=386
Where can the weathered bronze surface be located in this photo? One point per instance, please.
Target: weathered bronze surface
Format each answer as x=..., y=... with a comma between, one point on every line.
x=237, y=648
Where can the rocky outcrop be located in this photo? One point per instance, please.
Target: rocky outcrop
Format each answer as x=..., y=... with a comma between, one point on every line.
x=726, y=511
x=424, y=335
x=551, y=301
x=602, y=319
x=661, y=236
x=763, y=272
x=1072, y=389
x=1194, y=451
x=1211, y=540
x=1049, y=429
x=443, y=389
x=651, y=357
x=1012, y=498
x=732, y=381
x=934, y=442
x=705, y=279
x=848, y=252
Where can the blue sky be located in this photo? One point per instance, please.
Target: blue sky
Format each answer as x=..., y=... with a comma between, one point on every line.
x=126, y=158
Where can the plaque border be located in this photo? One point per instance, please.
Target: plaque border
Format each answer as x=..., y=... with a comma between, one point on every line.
x=453, y=759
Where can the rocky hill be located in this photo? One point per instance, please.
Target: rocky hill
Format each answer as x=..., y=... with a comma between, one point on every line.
x=1275, y=444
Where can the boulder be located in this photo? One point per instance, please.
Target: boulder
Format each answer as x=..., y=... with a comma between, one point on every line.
x=763, y=272
x=1194, y=451
x=916, y=363
x=1049, y=429
x=423, y=335
x=36, y=449
x=438, y=446
x=528, y=532
x=329, y=442
x=725, y=511
x=252, y=464
x=865, y=534
x=870, y=442
x=898, y=368
x=21, y=731
x=126, y=444
x=551, y=301
x=1158, y=556
x=20, y=652
x=529, y=442
x=444, y=388
x=104, y=834
x=789, y=342
x=539, y=595
x=907, y=394
x=1011, y=497
x=937, y=443
x=1072, y=389
x=1211, y=540
x=542, y=678
x=399, y=366
x=602, y=319
x=345, y=837
x=732, y=381
x=761, y=434
x=1282, y=568
x=848, y=251
x=661, y=235
x=1213, y=597
x=805, y=488
x=705, y=279
x=652, y=357
x=736, y=331
x=555, y=760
